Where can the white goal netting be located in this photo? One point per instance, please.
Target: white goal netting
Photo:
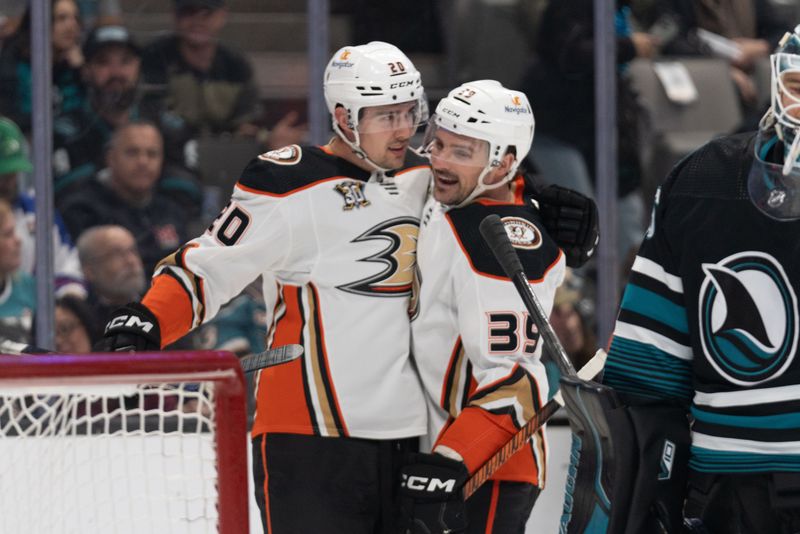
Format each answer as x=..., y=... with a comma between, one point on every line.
x=115, y=453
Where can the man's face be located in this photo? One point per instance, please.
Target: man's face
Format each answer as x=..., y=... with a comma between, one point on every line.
x=790, y=95
x=112, y=76
x=113, y=68
x=385, y=131
x=199, y=25
x=457, y=162
x=135, y=159
x=116, y=273
x=10, y=258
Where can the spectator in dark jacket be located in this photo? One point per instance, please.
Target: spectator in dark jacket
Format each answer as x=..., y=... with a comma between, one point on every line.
x=125, y=194
x=111, y=74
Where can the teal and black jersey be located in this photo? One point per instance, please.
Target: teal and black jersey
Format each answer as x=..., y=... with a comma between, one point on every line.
x=709, y=317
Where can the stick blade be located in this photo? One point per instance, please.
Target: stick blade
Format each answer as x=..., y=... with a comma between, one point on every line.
x=271, y=357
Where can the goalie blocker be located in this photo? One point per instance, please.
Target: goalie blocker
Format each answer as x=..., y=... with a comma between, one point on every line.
x=628, y=463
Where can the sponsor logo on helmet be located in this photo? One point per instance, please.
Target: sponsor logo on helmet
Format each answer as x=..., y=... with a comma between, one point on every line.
x=522, y=233
x=342, y=64
x=748, y=318
x=517, y=108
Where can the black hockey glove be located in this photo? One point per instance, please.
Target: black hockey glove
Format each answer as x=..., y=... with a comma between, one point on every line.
x=571, y=220
x=431, y=498
x=131, y=328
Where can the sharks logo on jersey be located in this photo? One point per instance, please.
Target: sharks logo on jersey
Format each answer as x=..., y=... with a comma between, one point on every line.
x=748, y=318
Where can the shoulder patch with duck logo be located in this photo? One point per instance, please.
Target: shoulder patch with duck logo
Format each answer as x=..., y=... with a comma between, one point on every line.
x=522, y=233
x=288, y=155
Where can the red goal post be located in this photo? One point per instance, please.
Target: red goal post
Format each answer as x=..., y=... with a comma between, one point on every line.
x=123, y=443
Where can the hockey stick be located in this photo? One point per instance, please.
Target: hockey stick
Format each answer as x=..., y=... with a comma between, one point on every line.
x=587, y=501
x=494, y=233
x=250, y=363
x=518, y=440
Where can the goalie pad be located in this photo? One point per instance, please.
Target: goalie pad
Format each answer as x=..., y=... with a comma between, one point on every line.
x=628, y=464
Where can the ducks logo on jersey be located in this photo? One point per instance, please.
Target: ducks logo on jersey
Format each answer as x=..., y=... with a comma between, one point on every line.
x=748, y=318
x=399, y=258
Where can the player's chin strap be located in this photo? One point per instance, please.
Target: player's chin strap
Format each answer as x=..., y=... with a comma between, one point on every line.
x=482, y=187
x=357, y=150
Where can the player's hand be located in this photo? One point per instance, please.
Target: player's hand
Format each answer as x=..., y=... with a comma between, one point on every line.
x=132, y=327
x=571, y=220
x=431, y=495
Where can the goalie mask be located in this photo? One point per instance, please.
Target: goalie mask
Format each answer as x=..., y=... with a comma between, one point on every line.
x=490, y=121
x=374, y=74
x=774, y=180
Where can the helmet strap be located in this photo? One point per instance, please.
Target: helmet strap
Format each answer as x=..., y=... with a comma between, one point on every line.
x=481, y=187
x=356, y=147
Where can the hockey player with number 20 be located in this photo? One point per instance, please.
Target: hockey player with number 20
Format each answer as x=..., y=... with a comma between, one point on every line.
x=332, y=230
x=476, y=348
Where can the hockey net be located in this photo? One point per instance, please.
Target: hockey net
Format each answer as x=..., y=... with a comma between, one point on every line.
x=123, y=443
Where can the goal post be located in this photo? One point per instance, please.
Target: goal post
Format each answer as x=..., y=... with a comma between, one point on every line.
x=123, y=443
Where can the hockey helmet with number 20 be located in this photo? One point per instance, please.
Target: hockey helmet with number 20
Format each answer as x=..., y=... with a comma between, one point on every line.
x=374, y=74
x=487, y=111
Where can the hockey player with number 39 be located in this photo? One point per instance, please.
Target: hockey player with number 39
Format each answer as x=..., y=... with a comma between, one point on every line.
x=708, y=332
x=476, y=348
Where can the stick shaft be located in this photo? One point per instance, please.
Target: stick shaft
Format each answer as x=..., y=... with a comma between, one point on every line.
x=587, y=372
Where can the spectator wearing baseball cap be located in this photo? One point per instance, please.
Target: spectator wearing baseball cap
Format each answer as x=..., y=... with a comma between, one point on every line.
x=13, y=161
x=102, y=37
x=112, y=77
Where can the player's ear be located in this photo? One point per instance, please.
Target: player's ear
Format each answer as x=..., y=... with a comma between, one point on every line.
x=340, y=115
x=500, y=172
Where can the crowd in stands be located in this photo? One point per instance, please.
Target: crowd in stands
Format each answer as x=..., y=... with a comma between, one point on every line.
x=128, y=116
x=127, y=186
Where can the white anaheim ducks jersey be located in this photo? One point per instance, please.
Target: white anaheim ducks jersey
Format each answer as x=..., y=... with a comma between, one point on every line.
x=336, y=246
x=475, y=346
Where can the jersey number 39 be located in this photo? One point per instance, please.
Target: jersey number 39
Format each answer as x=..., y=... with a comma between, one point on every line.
x=511, y=331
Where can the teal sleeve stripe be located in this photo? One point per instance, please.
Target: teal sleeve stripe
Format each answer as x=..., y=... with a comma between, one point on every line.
x=713, y=461
x=778, y=421
x=641, y=369
x=649, y=304
x=647, y=354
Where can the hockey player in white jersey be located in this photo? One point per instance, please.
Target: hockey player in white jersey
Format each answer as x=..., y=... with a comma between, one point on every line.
x=476, y=348
x=333, y=231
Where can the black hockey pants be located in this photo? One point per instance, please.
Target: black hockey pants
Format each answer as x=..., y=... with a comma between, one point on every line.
x=316, y=485
x=762, y=503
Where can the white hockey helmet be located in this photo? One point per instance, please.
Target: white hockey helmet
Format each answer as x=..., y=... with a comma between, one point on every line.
x=773, y=185
x=374, y=74
x=486, y=110
x=785, y=94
